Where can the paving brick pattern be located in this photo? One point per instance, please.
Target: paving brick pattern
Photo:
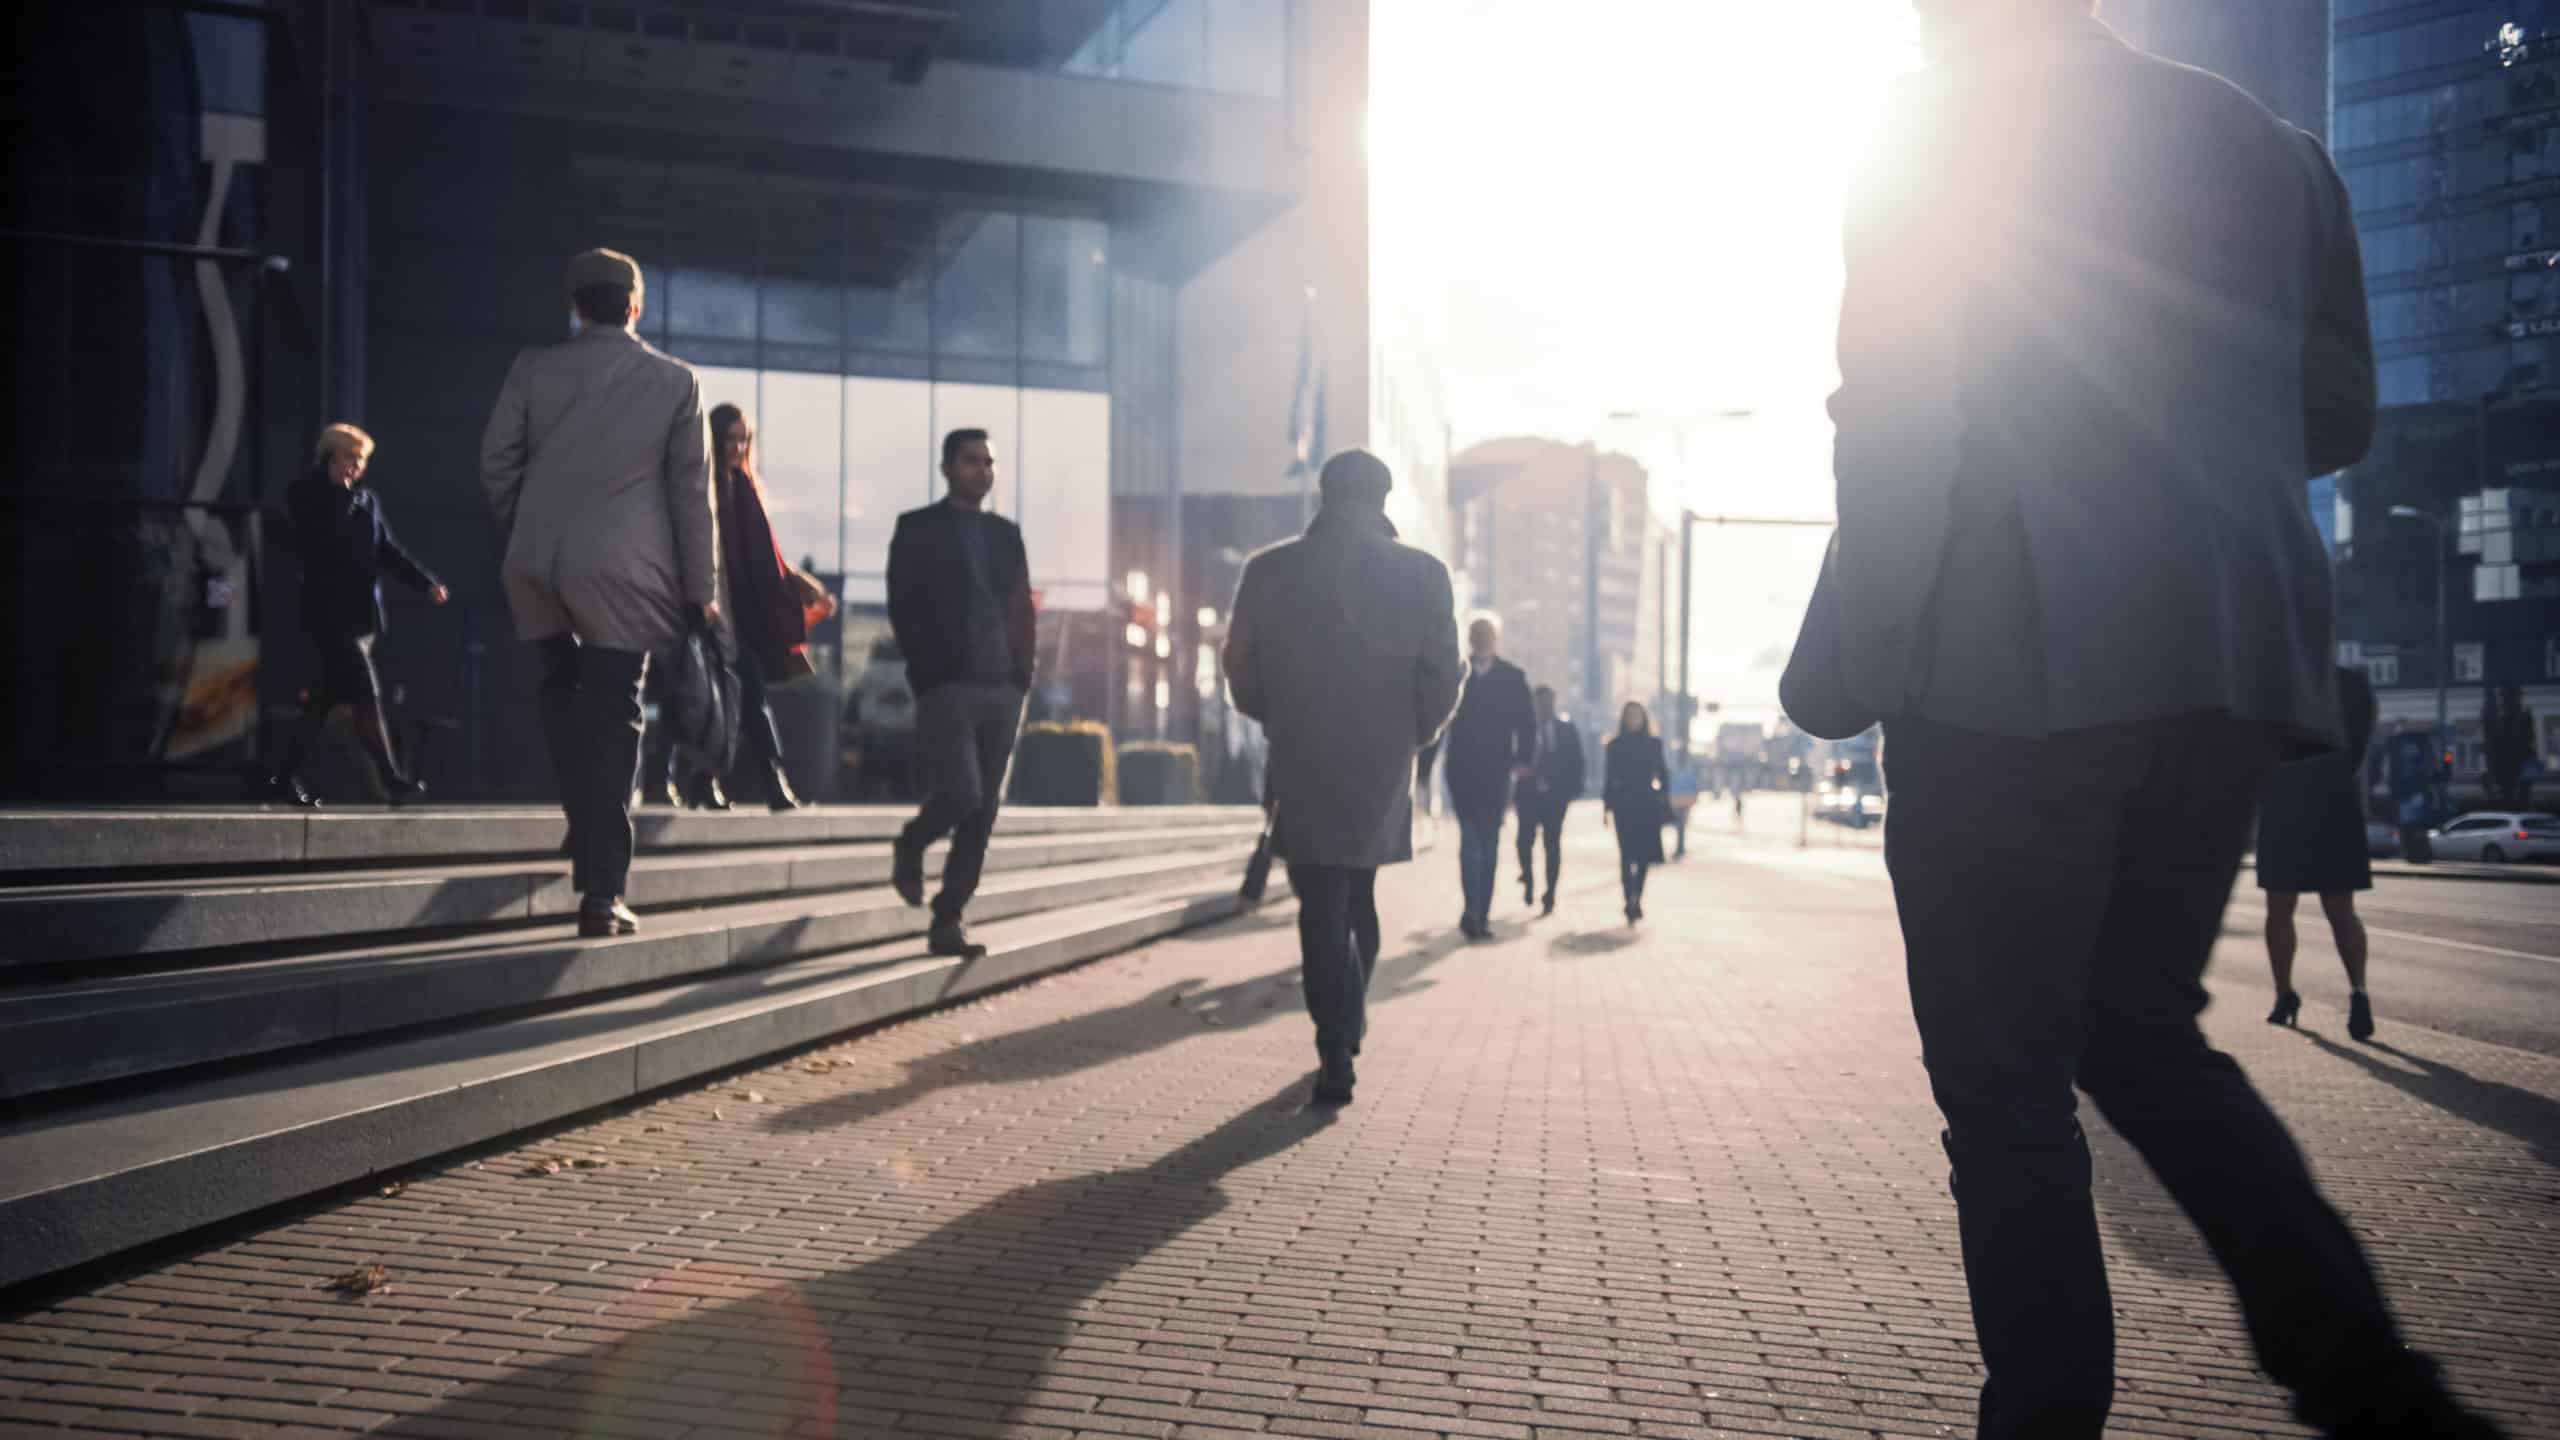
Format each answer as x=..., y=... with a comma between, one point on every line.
x=1681, y=1182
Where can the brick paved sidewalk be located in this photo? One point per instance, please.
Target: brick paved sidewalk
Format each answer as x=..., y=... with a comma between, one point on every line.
x=1682, y=1182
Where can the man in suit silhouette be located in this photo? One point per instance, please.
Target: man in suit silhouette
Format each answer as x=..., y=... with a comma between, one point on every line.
x=2104, y=316
x=960, y=605
x=1487, y=749
x=1553, y=783
x=1343, y=643
x=597, y=463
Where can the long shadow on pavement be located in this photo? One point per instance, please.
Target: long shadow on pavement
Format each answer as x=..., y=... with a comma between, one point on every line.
x=2489, y=1104
x=1164, y=1017
x=964, y=1325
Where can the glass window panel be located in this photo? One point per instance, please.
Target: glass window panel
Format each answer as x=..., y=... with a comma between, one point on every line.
x=800, y=449
x=801, y=312
x=995, y=409
x=1064, y=476
x=1168, y=47
x=976, y=309
x=889, y=469
x=1066, y=277
x=1248, y=46
x=710, y=304
x=888, y=263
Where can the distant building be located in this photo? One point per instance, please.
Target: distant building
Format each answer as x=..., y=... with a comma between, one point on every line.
x=2447, y=128
x=1560, y=541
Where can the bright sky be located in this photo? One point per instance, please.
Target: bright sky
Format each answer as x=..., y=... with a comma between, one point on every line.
x=1634, y=206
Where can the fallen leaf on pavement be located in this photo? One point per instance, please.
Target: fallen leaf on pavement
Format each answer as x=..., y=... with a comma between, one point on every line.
x=752, y=1097
x=715, y=1113
x=589, y=1162
x=544, y=1167
x=362, y=1280
x=394, y=1188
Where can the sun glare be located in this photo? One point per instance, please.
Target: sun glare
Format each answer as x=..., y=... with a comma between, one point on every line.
x=1633, y=207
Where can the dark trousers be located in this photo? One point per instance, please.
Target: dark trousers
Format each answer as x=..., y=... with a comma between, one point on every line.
x=1479, y=853
x=590, y=706
x=1337, y=953
x=2059, y=899
x=1542, y=818
x=964, y=742
x=347, y=677
x=1631, y=873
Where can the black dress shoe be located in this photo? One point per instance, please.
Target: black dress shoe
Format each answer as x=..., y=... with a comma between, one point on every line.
x=1528, y=892
x=1333, y=1084
x=286, y=790
x=906, y=871
x=1549, y=908
x=949, y=938
x=598, y=919
x=400, y=790
x=2288, y=1006
x=1331, y=1097
x=778, y=792
x=2360, y=1016
x=706, y=794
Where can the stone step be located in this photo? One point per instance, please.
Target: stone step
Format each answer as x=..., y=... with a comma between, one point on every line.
x=85, y=1182
x=117, y=919
x=85, y=1032
x=37, y=844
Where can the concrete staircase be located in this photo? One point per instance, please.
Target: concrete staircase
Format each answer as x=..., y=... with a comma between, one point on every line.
x=207, y=1012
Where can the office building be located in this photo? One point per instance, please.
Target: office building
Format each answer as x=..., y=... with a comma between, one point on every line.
x=2447, y=128
x=1127, y=237
x=1559, y=541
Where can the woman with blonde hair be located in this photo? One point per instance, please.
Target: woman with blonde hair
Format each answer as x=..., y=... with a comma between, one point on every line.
x=346, y=545
x=1635, y=795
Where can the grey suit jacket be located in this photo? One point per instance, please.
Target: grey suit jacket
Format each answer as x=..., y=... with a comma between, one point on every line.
x=2104, y=317
x=1344, y=644
x=597, y=463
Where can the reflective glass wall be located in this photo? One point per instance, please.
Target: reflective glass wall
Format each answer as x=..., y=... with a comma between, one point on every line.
x=858, y=324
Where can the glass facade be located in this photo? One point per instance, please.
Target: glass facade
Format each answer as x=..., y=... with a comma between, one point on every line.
x=1239, y=47
x=857, y=324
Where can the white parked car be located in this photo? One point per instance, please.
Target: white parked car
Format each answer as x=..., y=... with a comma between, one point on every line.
x=2496, y=836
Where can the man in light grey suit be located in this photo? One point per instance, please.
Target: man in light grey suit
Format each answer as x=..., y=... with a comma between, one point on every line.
x=2104, y=317
x=598, y=465
x=1344, y=645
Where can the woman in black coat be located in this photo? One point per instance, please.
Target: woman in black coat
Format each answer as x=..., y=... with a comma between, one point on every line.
x=346, y=547
x=1635, y=796
x=2311, y=842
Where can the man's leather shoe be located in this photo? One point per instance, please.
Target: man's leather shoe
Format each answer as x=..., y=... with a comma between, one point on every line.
x=948, y=938
x=401, y=790
x=1528, y=891
x=706, y=794
x=1333, y=1084
x=778, y=793
x=598, y=919
x=1549, y=908
x=906, y=871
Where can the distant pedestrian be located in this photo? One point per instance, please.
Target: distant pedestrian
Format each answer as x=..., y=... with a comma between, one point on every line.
x=598, y=466
x=1344, y=645
x=2311, y=842
x=960, y=604
x=2103, y=316
x=346, y=544
x=1634, y=788
x=764, y=598
x=1684, y=798
x=1553, y=783
x=2508, y=748
x=1487, y=750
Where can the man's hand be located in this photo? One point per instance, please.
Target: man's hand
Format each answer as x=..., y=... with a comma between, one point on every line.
x=1522, y=772
x=709, y=611
x=439, y=595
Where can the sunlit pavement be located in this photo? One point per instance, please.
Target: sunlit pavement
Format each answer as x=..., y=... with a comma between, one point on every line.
x=1679, y=1180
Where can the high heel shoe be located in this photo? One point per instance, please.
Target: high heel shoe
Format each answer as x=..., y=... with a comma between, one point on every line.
x=706, y=793
x=2360, y=1016
x=2288, y=1008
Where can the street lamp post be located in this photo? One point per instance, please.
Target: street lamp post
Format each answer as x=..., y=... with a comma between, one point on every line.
x=2444, y=650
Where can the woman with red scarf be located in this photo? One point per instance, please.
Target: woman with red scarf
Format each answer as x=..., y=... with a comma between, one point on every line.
x=764, y=603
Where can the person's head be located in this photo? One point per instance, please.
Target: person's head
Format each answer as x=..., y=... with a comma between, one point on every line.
x=1484, y=637
x=343, y=451
x=1952, y=24
x=605, y=288
x=1633, y=719
x=969, y=466
x=733, y=439
x=1545, y=695
x=1355, y=477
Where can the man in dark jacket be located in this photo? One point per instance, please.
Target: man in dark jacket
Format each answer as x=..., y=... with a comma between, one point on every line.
x=346, y=547
x=960, y=604
x=1344, y=645
x=1489, y=746
x=1553, y=783
x=2104, y=316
